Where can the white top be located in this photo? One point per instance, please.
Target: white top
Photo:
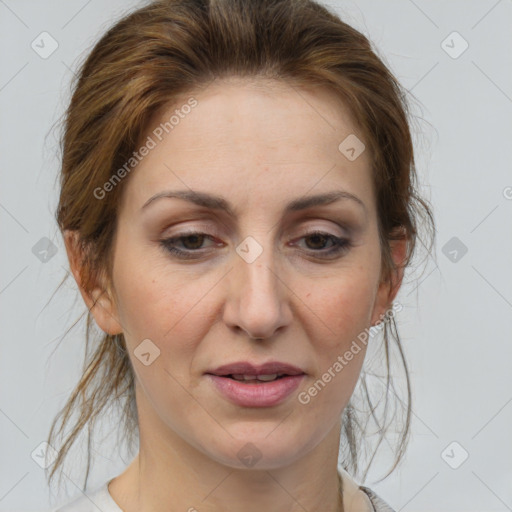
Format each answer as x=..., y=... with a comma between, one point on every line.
x=356, y=498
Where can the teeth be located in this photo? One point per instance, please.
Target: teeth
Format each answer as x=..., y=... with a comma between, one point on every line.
x=256, y=377
x=267, y=377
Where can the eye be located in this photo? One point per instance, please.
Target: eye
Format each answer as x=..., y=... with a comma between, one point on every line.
x=319, y=239
x=192, y=241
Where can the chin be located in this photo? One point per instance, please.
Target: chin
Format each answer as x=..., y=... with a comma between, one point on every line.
x=259, y=446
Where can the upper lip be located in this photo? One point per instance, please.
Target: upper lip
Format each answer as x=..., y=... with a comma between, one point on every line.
x=246, y=368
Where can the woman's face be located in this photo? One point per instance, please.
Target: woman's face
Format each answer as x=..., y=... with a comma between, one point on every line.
x=247, y=150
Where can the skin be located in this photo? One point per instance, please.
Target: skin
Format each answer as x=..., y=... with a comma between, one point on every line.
x=258, y=144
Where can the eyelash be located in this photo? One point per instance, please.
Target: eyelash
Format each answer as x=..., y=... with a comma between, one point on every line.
x=341, y=245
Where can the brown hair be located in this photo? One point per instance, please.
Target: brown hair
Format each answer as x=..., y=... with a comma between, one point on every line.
x=171, y=47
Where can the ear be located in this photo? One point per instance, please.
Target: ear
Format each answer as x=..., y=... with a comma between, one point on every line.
x=388, y=289
x=98, y=298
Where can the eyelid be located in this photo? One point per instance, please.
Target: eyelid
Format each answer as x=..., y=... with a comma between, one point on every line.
x=331, y=227
x=213, y=233
x=209, y=229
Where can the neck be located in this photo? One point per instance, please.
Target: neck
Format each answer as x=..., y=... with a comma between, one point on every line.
x=170, y=474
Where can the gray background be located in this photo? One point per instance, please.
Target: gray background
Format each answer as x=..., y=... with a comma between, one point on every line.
x=457, y=316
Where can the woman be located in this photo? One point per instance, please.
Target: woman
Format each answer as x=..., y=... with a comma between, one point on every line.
x=238, y=205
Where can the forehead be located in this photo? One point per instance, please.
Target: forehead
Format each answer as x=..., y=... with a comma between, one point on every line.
x=248, y=137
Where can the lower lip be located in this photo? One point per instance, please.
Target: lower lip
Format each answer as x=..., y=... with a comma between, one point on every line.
x=264, y=394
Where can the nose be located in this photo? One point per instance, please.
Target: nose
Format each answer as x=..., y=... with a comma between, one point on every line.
x=257, y=297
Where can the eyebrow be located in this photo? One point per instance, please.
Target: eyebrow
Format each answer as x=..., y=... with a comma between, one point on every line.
x=215, y=202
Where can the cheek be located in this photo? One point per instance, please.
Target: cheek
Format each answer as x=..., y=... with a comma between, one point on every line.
x=162, y=308
x=167, y=307
x=344, y=300
x=342, y=307
x=339, y=311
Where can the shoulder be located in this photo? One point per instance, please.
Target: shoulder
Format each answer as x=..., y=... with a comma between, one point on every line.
x=359, y=498
x=98, y=499
x=378, y=503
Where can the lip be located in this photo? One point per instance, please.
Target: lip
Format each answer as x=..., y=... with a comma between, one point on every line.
x=262, y=394
x=246, y=368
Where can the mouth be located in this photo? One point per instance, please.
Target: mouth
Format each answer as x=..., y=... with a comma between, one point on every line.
x=249, y=385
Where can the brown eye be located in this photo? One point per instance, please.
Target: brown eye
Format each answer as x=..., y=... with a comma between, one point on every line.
x=319, y=239
x=191, y=242
x=196, y=241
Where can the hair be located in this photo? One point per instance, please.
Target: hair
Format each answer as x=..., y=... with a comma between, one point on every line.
x=168, y=48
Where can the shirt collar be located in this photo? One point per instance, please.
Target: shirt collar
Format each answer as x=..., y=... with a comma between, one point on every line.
x=354, y=499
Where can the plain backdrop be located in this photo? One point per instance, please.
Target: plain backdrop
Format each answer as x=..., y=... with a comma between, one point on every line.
x=455, y=57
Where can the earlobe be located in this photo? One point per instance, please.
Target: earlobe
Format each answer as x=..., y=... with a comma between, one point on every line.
x=98, y=299
x=103, y=309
